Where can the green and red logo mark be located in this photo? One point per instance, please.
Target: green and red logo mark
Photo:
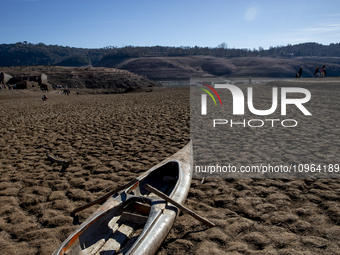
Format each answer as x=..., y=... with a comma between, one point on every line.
x=204, y=97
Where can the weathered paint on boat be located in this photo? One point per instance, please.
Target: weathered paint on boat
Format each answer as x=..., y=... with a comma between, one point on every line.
x=120, y=225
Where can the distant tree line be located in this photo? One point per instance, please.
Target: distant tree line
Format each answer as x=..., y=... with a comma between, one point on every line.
x=299, y=50
x=24, y=54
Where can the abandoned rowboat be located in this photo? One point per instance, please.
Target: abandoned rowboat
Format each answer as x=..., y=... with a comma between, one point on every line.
x=135, y=221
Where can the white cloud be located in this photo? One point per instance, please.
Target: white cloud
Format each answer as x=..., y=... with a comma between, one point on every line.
x=326, y=27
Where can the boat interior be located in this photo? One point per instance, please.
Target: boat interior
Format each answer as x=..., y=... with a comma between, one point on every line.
x=163, y=178
x=116, y=231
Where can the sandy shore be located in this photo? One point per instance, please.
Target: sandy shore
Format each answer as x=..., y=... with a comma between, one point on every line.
x=112, y=139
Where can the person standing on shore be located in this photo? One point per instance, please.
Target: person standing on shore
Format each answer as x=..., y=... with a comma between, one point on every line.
x=300, y=72
x=323, y=71
x=316, y=72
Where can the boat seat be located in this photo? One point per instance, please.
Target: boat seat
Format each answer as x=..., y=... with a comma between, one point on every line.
x=117, y=240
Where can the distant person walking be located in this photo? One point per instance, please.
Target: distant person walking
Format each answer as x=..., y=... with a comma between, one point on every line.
x=300, y=72
x=316, y=72
x=323, y=71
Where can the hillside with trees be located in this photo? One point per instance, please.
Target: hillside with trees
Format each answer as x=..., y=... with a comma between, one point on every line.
x=183, y=68
x=163, y=62
x=299, y=50
x=27, y=54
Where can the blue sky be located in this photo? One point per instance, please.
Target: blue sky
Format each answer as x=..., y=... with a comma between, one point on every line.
x=239, y=24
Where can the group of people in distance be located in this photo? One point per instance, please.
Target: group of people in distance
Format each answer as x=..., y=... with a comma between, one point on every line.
x=317, y=73
x=322, y=72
